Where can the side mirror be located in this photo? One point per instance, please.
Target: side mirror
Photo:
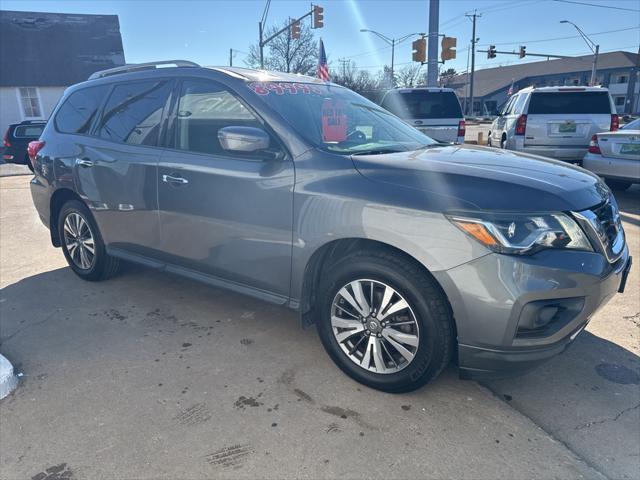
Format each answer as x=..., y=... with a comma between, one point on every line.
x=243, y=139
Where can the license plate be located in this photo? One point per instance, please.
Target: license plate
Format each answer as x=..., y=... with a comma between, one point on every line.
x=568, y=127
x=630, y=148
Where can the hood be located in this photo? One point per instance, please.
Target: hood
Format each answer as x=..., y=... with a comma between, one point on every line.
x=483, y=178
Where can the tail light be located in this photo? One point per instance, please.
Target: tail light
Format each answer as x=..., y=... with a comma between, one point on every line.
x=33, y=149
x=461, y=128
x=521, y=125
x=593, y=145
x=5, y=140
x=615, y=122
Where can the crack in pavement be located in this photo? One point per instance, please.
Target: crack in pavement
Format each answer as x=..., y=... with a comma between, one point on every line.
x=606, y=420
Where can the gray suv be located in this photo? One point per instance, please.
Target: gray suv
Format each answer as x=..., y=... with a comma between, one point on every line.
x=406, y=253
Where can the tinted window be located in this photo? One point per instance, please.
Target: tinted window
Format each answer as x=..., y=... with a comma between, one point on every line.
x=28, y=131
x=205, y=107
x=133, y=112
x=80, y=109
x=569, y=102
x=519, y=103
x=423, y=104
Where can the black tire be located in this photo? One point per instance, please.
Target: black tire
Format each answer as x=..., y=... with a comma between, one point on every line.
x=103, y=266
x=489, y=140
x=426, y=300
x=503, y=142
x=618, y=185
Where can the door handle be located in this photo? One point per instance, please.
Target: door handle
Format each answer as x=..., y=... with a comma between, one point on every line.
x=84, y=162
x=174, y=180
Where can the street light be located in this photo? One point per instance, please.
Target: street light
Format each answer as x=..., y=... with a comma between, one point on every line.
x=392, y=42
x=592, y=46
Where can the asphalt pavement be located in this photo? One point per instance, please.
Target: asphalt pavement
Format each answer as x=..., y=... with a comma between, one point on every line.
x=149, y=375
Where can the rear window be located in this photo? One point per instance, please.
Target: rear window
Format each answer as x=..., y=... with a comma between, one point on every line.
x=79, y=110
x=28, y=131
x=569, y=102
x=423, y=104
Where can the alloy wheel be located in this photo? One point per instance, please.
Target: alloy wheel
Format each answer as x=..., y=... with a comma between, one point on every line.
x=374, y=326
x=79, y=241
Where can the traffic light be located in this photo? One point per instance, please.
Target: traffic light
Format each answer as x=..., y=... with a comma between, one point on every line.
x=419, y=50
x=448, y=48
x=295, y=30
x=523, y=51
x=491, y=53
x=318, y=16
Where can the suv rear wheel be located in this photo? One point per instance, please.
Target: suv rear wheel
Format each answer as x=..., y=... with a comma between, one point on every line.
x=82, y=243
x=384, y=322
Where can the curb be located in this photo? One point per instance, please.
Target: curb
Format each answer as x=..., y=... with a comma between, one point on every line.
x=8, y=381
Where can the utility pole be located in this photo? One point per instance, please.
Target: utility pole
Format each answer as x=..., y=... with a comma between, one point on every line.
x=474, y=40
x=344, y=63
x=630, y=101
x=261, y=24
x=432, y=47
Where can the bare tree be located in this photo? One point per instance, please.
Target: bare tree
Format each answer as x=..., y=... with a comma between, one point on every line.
x=285, y=54
x=408, y=76
x=360, y=81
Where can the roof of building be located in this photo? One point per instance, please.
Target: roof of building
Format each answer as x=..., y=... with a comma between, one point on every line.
x=490, y=80
x=56, y=49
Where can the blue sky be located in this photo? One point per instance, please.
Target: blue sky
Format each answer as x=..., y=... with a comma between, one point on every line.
x=205, y=30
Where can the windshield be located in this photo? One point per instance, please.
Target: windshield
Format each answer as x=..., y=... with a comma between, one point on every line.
x=422, y=104
x=338, y=120
x=635, y=125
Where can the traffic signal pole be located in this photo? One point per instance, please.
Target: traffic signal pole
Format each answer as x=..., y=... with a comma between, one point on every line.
x=474, y=40
x=432, y=47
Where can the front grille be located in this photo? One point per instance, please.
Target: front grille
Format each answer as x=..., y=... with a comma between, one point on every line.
x=603, y=226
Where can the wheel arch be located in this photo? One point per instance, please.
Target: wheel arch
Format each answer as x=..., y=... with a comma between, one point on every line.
x=58, y=199
x=333, y=251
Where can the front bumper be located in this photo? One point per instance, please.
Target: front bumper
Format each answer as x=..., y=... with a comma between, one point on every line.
x=615, y=168
x=496, y=298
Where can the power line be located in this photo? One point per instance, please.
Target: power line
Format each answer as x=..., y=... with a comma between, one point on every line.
x=596, y=5
x=518, y=42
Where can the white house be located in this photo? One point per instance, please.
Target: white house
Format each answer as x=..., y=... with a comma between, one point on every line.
x=41, y=54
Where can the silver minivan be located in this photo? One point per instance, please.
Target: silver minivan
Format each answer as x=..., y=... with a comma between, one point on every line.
x=555, y=122
x=435, y=112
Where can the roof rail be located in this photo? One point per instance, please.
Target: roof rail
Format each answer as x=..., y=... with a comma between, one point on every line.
x=141, y=66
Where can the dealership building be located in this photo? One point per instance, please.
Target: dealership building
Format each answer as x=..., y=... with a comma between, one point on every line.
x=491, y=85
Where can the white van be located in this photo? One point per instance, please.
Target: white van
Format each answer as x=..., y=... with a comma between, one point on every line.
x=555, y=122
x=435, y=112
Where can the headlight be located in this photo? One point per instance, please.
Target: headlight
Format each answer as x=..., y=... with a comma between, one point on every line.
x=520, y=234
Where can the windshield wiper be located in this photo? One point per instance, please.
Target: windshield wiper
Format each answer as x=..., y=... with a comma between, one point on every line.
x=378, y=151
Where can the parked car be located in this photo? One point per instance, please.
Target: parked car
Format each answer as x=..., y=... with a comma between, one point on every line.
x=615, y=156
x=556, y=122
x=405, y=252
x=17, y=138
x=435, y=112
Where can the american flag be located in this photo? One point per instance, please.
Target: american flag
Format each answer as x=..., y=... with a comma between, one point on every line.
x=323, y=68
x=510, y=91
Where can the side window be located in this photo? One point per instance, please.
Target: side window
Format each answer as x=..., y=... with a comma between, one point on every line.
x=133, y=112
x=512, y=104
x=519, y=104
x=204, y=107
x=507, y=106
x=79, y=110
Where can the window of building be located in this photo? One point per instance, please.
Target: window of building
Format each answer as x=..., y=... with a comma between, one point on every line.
x=619, y=101
x=77, y=113
x=623, y=79
x=133, y=112
x=30, y=102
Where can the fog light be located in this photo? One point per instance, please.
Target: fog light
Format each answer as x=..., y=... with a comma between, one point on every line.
x=545, y=315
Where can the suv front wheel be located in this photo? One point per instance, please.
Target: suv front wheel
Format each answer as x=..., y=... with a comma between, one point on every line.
x=82, y=243
x=384, y=322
